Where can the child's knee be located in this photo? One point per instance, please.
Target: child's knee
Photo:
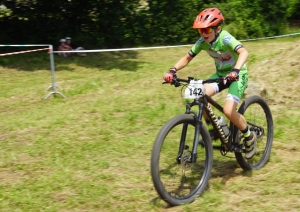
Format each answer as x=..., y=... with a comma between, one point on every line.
x=227, y=111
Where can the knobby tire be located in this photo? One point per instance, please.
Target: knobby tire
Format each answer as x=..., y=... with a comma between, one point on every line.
x=252, y=108
x=173, y=196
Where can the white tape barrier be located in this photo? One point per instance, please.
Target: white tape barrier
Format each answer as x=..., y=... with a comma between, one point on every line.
x=271, y=37
x=22, y=52
x=50, y=48
x=124, y=49
x=163, y=47
x=23, y=45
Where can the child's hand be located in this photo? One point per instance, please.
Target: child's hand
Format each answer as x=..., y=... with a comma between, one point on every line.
x=232, y=76
x=168, y=77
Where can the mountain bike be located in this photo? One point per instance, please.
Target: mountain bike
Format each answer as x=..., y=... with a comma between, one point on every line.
x=182, y=154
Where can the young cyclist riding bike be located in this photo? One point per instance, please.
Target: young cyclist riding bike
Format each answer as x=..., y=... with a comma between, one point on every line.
x=230, y=57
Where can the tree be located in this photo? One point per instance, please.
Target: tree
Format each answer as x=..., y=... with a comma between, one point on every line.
x=119, y=23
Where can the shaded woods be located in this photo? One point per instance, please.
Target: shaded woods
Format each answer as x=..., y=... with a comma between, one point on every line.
x=117, y=23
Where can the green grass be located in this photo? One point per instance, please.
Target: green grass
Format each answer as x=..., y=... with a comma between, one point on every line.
x=91, y=151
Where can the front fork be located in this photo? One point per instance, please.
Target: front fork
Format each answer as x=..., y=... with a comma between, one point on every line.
x=198, y=124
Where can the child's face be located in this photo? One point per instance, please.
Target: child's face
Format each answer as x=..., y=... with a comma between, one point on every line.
x=209, y=33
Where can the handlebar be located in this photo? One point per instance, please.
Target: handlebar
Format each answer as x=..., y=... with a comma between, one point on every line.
x=177, y=81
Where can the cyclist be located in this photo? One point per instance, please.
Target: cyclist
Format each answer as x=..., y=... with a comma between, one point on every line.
x=230, y=57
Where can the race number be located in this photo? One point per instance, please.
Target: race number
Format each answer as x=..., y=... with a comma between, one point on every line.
x=194, y=90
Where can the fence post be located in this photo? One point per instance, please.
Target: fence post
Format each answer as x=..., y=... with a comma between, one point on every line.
x=53, y=86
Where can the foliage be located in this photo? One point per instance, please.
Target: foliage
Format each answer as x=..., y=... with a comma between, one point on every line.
x=118, y=23
x=293, y=10
x=255, y=18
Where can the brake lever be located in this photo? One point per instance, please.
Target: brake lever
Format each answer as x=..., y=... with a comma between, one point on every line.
x=175, y=82
x=226, y=78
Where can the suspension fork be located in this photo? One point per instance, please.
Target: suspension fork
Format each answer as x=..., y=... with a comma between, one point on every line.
x=182, y=145
x=182, y=142
x=198, y=123
x=197, y=133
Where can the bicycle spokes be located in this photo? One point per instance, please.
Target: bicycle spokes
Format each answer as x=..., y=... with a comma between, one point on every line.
x=176, y=178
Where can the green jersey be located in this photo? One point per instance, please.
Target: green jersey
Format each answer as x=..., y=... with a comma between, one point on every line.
x=223, y=51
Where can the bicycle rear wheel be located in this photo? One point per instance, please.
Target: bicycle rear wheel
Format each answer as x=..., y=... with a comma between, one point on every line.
x=178, y=181
x=259, y=118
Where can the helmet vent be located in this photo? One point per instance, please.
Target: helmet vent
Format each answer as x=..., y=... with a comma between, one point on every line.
x=206, y=17
x=214, y=20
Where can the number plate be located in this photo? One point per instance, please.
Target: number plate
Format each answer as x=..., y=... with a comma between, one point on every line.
x=194, y=90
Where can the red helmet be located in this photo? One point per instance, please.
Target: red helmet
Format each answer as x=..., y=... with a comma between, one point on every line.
x=208, y=18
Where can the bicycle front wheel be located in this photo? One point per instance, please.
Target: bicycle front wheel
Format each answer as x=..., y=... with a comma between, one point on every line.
x=259, y=119
x=176, y=179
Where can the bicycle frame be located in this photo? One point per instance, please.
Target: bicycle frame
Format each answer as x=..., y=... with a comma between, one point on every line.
x=204, y=105
x=181, y=183
x=227, y=142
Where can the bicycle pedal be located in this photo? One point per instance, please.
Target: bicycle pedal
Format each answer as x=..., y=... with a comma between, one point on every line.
x=223, y=150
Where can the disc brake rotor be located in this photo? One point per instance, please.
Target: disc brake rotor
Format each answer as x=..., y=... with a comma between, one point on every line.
x=185, y=161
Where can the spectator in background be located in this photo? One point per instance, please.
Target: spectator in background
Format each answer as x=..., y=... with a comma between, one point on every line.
x=68, y=42
x=64, y=47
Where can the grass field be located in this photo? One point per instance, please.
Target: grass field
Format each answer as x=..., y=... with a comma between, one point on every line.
x=91, y=151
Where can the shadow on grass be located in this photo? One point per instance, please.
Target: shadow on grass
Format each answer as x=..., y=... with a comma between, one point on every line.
x=227, y=167
x=224, y=169
x=34, y=61
x=227, y=170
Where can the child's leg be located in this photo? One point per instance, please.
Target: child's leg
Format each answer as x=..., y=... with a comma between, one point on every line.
x=240, y=122
x=235, y=117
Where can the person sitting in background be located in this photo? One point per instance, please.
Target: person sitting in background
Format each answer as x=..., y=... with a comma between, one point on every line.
x=64, y=47
x=68, y=42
